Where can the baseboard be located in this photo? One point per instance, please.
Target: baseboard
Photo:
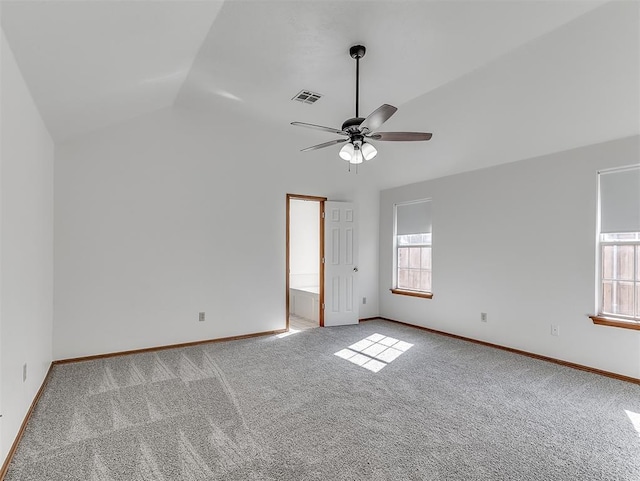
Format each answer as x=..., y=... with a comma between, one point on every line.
x=572, y=365
x=168, y=346
x=16, y=441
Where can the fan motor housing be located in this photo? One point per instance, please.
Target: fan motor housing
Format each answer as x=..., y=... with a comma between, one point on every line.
x=352, y=125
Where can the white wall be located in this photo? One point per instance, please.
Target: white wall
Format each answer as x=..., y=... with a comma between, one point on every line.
x=518, y=242
x=26, y=249
x=175, y=213
x=304, y=243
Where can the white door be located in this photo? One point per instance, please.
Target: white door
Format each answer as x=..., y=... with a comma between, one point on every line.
x=340, y=264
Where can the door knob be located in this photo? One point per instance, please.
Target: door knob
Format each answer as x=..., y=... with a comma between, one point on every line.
x=355, y=269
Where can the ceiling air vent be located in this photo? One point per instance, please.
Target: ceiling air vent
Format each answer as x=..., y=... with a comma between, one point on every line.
x=307, y=97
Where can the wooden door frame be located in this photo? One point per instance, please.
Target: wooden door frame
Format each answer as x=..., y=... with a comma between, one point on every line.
x=321, y=200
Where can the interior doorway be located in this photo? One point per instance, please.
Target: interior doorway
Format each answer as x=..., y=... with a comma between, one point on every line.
x=305, y=267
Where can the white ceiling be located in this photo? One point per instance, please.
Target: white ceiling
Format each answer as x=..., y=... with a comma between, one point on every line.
x=495, y=81
x=263, y=53
x=90, y=64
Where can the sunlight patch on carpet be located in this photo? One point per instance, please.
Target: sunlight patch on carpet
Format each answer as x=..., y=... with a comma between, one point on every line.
x=374, y=352
x=635, y=420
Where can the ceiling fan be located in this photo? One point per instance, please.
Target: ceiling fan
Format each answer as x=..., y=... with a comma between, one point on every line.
x=358, y=132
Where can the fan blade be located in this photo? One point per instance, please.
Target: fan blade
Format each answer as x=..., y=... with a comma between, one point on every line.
x=326, y=144
x=319, y=127
x=378, y=117
x=400, y=136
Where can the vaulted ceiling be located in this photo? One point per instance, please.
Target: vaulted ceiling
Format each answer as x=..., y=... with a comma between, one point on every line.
x=494, y=81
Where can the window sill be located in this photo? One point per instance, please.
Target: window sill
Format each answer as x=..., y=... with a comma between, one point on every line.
x=613, y=322
x=424, y=295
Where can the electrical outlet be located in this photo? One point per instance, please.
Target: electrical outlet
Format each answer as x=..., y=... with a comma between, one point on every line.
x=483, y=316
x=201, y=317
x=24, y=372
x=364, y=300
x=555, y=330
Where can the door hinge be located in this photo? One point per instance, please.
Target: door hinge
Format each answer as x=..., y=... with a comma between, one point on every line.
x=323, y=306
x=323, y=260
x=323, y=215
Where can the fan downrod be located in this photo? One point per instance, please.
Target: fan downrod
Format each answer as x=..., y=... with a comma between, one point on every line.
x=357, y=52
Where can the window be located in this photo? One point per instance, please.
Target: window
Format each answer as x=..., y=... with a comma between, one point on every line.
x=413, y=249
x=620, y=276
x=619, y=246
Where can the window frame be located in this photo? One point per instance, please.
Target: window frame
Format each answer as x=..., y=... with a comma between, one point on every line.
x=396, y=246
x=604, y=318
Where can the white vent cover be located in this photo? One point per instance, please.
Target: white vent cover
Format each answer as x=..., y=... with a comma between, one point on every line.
x=307, y=97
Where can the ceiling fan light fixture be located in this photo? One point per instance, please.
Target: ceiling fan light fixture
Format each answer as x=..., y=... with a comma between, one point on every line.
x=357, y=155
x=368, y=151
x=346, y=152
